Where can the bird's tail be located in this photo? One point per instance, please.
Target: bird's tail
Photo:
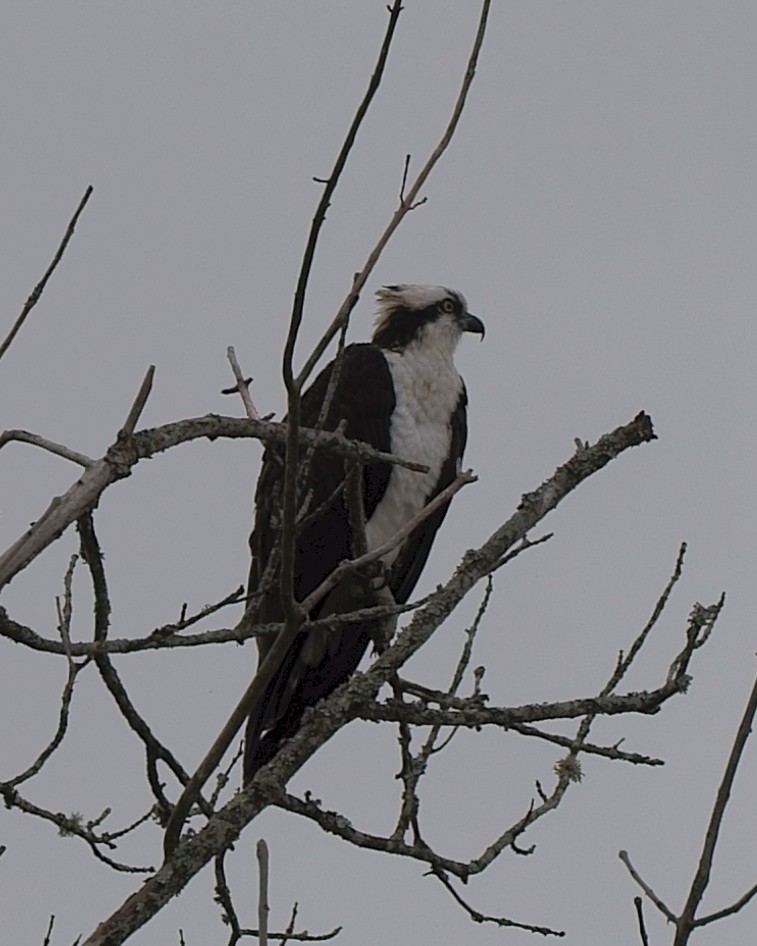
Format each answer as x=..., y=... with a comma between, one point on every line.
x=316, y=664
x=261, y=746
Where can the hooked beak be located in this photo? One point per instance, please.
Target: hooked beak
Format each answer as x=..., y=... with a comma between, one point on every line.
x=472, y=323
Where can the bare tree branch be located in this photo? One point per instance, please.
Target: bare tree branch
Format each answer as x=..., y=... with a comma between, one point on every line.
x=273, y=659
x=496, y=920
x=729, y=911
x=75, y=826
x=242, y=386
x=660, y=904
x=533, y=507
x=261, y=852
x=687, y=921
x=50, y=925
x=414, y=767
x=154, y=749
x=166, y=637
x=639, y=905
x=367, y=558
x=58, y=449
x=237, y=931
x=125, y=453
x=40, y=287
x=320, y=214
x=608, y=752
x=223, y=897
x=65, y=613
x=135, y=412
x=348, y=701
x=406, y=205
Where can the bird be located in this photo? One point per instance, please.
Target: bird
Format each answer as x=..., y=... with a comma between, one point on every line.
x=401, y=394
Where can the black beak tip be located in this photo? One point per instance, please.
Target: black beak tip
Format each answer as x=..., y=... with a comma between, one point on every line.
x=472, y=323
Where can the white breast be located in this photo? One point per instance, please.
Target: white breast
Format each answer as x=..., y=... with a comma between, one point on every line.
x=427, y=388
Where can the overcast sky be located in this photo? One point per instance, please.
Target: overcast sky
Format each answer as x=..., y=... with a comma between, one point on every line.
x=597, y=209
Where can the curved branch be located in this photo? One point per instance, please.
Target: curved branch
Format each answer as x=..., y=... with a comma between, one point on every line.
x=57, y=449
x=127, y=451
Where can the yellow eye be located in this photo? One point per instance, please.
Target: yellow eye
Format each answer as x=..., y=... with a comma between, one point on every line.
x=447, y=305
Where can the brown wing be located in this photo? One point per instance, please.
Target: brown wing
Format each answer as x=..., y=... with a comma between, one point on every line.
x=316, y=663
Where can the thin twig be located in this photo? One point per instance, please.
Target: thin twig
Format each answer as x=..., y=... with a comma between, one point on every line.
x=242, y=385
x=261, y=851
x=501, y=921
x=729, y=911
x=164, y=637
x=360, y=278
x=328, y=191
x=188, y=620
x=414, y=767
x=65, y=613
x=639, y=905
x=223, y=897
x=475, y=715
x=40, y=287
x=405, y=171
x=69, y=825
x=570, y=763
x=355, y=564
x=609, y=752
x=660, y=904
x=139, y=404
x=58, y=449
x=625, y=663
x=223, y=777
x=49, y=933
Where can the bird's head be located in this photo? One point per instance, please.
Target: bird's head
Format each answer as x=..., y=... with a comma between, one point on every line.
x=428, y=315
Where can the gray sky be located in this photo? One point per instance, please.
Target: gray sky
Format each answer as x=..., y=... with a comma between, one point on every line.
x=597, y=208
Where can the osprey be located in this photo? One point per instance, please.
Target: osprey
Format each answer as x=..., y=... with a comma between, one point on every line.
x=402, y=394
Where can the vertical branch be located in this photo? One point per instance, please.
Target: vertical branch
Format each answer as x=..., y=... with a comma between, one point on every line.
x=294, y=385
x=263, y=909
x=135, y=412
x=639, y=905
x=330, y=187
x=155, y=751
x=50, y=925
x=242, y=385
x=65, y=614
x=223, y=898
